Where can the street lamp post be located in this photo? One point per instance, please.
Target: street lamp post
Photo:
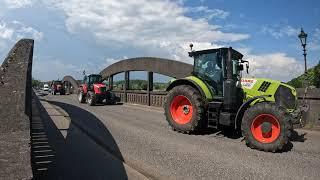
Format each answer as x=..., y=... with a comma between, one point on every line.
x=303, y=38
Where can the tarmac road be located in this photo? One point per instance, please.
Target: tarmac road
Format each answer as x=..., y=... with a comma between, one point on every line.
x=142, y=139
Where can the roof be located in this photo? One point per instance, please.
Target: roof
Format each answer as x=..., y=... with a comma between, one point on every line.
x=223, y=49
x=94, y=75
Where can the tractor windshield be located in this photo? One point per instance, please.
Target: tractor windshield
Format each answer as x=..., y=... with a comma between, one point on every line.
x=95, y=79
x=208, y=67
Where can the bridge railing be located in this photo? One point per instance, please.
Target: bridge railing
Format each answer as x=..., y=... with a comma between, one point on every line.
x=311, y=98
x=152, y=98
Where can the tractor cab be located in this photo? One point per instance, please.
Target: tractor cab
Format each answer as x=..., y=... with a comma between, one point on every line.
x=92, y=79
x=213, y=65
x=212, y=97
x=220, y=69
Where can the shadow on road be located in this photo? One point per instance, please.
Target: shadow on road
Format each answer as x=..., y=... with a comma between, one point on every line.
x=78, y=155
x=296, y=137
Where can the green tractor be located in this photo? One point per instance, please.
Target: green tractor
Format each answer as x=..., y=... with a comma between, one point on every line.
x=216, y=96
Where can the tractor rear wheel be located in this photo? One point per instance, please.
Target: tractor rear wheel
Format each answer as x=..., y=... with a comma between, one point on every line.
x=80, y=97
x=266, y=126
x=184, y=109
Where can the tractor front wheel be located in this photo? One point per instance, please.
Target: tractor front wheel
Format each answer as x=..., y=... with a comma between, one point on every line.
x=184, y=109
x=266, y=126
x=80, y=97
x=91, y=100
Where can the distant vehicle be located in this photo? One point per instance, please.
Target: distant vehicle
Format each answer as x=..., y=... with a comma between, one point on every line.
x=57, y=87
x=93, y=91
x=46, y=87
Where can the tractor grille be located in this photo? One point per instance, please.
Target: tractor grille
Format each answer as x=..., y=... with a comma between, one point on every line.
x=103, y=89
x=264, y=86
x=285, y=98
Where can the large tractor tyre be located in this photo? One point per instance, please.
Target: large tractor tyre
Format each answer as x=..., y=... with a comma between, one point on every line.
x=81, y=98
x=62, y=92
x=266, y=126
x=184, y=109
x=91, y=100
x=111, y=99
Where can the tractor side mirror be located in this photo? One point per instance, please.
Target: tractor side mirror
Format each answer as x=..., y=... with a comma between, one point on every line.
x=247, y=67
x=240, y=67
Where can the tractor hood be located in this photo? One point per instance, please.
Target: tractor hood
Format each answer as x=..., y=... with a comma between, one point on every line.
x=99, y=88
x=99, y=85
x=278, y=91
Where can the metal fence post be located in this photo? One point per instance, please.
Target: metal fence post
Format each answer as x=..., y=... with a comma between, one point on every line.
x=111, y=82
x=126, y=85
x=150, y=86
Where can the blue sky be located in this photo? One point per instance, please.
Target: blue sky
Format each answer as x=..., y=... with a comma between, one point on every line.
x=74, y=35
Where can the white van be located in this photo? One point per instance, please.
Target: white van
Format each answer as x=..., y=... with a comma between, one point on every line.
x=46, y=87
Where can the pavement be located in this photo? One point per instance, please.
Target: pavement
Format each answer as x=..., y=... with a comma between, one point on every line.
x=62, y=150
x=132, y=138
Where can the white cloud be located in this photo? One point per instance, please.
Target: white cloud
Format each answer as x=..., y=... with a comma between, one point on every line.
x=15, y=4
x=315, y=41
x=12, y=32
x=46, y=68
x=109, y=61
x=143, y=24
x=163, y=27
x=5, y=32
x=16, y=30
x=278, y=66
x=317, y=33
x=209, y=13
x=280, y=31
x=29, y=32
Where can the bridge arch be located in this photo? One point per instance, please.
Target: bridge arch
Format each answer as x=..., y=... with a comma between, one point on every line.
x=71, y=84
x=166, y=67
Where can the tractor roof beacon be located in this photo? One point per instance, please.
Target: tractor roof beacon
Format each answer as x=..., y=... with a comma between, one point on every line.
x=215, y=95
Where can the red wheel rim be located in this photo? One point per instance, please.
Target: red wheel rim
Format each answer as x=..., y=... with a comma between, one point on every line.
x=269, y=136
x=181, y=109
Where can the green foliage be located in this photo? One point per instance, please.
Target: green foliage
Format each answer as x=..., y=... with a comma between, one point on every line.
x=137, y=84
x=160, y=86
x=35, y=83
x=316, y=79
x=312, y=76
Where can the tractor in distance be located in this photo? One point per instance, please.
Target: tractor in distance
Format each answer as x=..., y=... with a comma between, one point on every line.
x=216, y=96
x=93, y=91
x=57, y=87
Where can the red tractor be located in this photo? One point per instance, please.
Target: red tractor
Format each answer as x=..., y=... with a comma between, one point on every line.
x=57, y=87
x=93, y=91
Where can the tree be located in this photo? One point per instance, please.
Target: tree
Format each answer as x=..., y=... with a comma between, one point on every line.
x=316, y=79
x=312, y=76
x=35, y=83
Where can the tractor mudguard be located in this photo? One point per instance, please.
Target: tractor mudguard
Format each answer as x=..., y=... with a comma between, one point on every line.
x=193, y=84
x=245, y=105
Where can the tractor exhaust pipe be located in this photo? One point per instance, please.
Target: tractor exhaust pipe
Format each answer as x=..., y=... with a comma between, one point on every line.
x=229, y=85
